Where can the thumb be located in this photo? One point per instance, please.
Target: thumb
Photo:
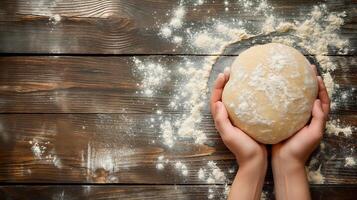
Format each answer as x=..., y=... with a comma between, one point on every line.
x=222, y=122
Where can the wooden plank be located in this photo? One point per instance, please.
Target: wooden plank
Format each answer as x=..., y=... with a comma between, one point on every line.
x=68, y=84
x=128, y=27
x=79, y=192
x=124, y=148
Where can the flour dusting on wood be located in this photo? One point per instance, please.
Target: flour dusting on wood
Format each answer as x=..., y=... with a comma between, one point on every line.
x=316, y=34
x=44, y=152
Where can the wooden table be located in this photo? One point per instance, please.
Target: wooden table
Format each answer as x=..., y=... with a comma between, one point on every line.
x=69, y=88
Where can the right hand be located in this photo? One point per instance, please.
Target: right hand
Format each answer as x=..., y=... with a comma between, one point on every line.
x=245, y=149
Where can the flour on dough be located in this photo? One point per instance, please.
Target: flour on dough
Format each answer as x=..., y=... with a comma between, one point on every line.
x=271, y=91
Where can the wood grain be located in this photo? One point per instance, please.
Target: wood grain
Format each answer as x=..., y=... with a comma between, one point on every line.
x=130, y=26
x=80, y=118
x=124, y=148
x=81, y=84
x=75, y=192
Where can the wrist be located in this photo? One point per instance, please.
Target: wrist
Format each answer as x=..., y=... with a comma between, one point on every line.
x=256, y=157
x=257, y=164
x=289, y=164
x=290, y=178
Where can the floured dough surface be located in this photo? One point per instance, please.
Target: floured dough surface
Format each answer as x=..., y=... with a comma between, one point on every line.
x=270, y=92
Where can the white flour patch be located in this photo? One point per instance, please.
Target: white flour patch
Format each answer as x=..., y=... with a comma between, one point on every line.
x=330, y=85
x=55, y=19
x=167, y=133
x=315, y=176
x=36, y=149
x=350, y=161
x=334, y=127
x=176, y=22
x=44, y=152
x=211, y=173
x=217, y=192
x=182, y=168
x=263, y=195
x=153, y=76
x=161, y=162
x=55, y=159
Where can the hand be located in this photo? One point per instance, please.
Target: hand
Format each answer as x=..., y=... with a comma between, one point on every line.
x=241, y=145
x=298, y=148
x=251, y=156
x=289, y=156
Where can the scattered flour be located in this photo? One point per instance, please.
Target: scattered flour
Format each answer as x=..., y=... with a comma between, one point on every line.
x=315, y=34
x=176, y=22
x=227, y=188
x=37, y=150
x=330, y=85
x=153, y=75
x=199, y=2
x=182, y=168
x=55, y=19
x=263, y=195
x=269, y=25
x=44, y=152
x=315, y=176
x=167, y=133
x=211, y=173
x=334, y=127
x=350, y=161
x=319, y=30
x=263, y=7
x=161, y=162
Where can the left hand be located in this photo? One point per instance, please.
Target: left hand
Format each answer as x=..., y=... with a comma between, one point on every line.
x=298, y=148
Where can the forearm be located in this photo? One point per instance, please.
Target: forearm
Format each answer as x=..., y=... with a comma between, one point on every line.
x=248, y=182
x=290, y=180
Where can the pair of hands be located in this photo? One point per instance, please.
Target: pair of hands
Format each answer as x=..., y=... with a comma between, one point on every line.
x=248, y=152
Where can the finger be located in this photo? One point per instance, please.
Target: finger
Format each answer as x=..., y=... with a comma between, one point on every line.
x=217, y=91
x=222, y=122
x=314, y=69
x=323, y=96
x=318, y=116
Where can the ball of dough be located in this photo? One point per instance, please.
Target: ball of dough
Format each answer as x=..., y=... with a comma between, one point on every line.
x=270, y=92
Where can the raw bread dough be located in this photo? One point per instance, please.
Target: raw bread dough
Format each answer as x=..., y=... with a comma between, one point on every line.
x=270, y=92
